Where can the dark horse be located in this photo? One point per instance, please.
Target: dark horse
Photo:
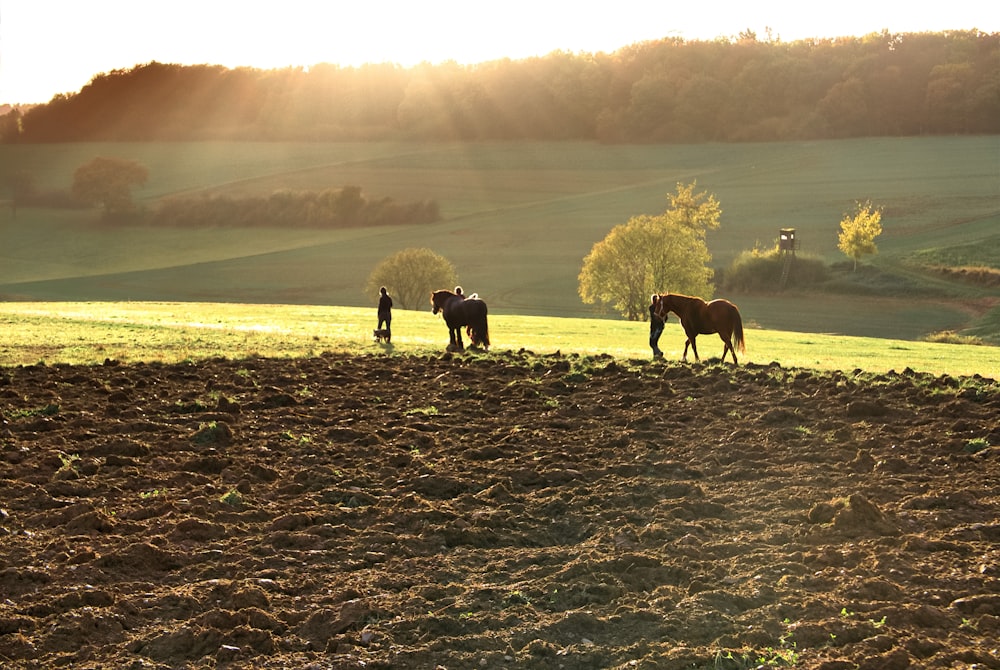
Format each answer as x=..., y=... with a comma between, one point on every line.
x=459, y=311
x=701, y=318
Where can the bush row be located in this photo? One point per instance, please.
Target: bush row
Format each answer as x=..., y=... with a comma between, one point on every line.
x=332, y=208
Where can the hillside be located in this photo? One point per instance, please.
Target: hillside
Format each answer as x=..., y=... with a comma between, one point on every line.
x=519, y=217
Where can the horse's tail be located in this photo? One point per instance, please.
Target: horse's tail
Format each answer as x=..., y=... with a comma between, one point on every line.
x=738, y=332
x=482, y=329
x=485, y=339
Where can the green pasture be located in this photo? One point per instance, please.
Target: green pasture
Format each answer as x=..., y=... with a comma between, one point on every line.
x=518, y=220
x=90, y=333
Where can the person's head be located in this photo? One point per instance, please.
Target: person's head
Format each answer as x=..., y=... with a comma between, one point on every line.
x=382, y=291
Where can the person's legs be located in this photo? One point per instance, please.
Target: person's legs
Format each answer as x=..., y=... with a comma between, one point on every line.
x=654, y=341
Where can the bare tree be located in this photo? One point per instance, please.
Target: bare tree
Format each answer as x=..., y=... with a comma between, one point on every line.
x=411, y=275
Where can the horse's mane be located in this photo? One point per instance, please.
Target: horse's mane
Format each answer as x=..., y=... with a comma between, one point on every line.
x=683, y=301
x=682, y=296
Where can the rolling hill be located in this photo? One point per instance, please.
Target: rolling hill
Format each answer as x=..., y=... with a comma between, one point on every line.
x=518, y=218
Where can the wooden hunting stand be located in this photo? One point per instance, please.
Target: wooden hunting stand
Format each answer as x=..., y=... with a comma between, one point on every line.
x=787, y=244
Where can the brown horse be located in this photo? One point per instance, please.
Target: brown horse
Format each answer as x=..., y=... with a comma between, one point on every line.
x=460, y=311
x=702, y=318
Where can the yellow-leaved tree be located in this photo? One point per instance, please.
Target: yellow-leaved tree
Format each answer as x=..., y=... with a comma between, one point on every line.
x=653, y=254
x=858, y=232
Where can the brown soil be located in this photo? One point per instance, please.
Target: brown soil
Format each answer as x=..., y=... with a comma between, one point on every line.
x=496, y=511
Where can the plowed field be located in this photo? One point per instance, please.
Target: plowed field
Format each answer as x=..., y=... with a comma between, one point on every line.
x=496, y=511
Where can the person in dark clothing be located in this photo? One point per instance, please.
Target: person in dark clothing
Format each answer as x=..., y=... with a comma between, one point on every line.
x=655, y=327
x=385, y=312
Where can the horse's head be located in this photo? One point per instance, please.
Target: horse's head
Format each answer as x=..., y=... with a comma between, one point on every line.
x=438, y=300
x=661, y=305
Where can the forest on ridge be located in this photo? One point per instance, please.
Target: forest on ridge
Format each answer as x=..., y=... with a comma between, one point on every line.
x=669, y=90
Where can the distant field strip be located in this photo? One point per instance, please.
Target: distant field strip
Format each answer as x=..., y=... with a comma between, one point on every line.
x=89, y=333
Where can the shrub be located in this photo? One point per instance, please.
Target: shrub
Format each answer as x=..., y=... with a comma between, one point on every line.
x=760, y=270
x=951, y=337
x=976, y=275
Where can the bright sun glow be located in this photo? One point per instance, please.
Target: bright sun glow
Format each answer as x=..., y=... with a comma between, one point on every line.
x=57, y=46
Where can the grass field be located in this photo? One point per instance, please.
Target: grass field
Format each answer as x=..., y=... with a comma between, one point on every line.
x=90, y=333
x=520, y=217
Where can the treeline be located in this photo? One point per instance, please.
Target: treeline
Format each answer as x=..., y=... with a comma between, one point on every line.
x=108, y=182
x=332, y=208
x=669, y=90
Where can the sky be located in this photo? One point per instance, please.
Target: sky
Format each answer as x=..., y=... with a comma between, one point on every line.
x=57, y=46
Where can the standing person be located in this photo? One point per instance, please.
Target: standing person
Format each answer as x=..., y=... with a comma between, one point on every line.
x=655, y=326
x=385, y=312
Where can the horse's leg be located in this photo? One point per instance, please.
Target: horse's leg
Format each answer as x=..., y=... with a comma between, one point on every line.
x=726, y=346
x=694, y=348
x=458, y=339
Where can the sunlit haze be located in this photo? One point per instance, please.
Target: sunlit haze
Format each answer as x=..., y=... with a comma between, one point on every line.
x=57, y=46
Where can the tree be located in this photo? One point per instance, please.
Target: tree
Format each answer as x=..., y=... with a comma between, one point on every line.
x=10, y=126
x=22, y=189
x=108, y=182
x=651, y=254
x=411, y=275
x=858, y=232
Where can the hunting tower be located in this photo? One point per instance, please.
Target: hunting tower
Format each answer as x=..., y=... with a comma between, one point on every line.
x=787, y=244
